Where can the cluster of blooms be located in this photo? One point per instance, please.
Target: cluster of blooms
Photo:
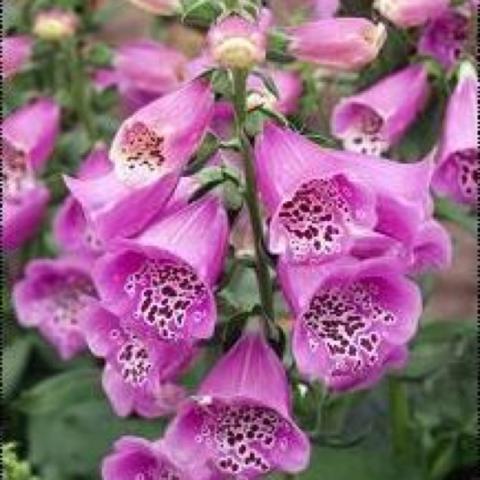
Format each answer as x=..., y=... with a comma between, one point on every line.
x=139, y=263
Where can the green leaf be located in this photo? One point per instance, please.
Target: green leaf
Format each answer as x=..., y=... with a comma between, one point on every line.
x=200, y=12
x=15, y=359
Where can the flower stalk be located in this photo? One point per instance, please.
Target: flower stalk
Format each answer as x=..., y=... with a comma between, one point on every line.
x=399, y=417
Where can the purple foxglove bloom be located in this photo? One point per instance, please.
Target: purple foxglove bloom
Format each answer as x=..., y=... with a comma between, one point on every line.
x=321, y=202
x=338, y=43
x=137, y=458
x=353, y=319
x=239, y=424
x=52, y=297
x=161, y=281
x=371, y=121
x=146, y=70
x=159, y=7
x=72, y=230
x=17, y=50
x=236, y=42
x=456, y=175
x=410, y=13
x=160, y=138
x=140, y=371
x=289, y=86
x=444, y=37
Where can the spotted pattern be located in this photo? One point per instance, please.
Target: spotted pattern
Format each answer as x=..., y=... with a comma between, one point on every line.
x=316, y=218
x=365, y=136
x=134, y=361
x=142, y=148
x=162, y=472
x=241, y=437
x=166, y=294
x=468, y=172
x=348, y=322
x=15, y=174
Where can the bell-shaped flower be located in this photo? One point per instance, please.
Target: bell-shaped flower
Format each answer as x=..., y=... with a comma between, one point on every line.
x=338, y=43
x=371, y=121
x=159, y=7
x=410, y=13
x=239, y=424
x=28, y=138
x=352, y=319
x=52, y=297
x=321, y=202
x=444, y=38
x=16, y=51
x=236, y=42
x=162, y=280
x=456, y=175
x=140, y=370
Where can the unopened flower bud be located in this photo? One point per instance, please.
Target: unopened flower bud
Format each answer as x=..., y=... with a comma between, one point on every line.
x=55, y=24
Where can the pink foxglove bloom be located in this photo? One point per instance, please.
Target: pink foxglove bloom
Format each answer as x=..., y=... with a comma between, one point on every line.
x=410, y=13
x=353, y=319
x=321, y=202
x=52, y=297
x=236, y=42
x=161, y=281
x=147, y=154
x=444, y=37
x=55, y=24
x=239, y=424
x=159, y=7
x=17, y=50
x=456, y=175
x=338, y=43
x=146, y=70
x=140, y=370
x=371, y=121
x=28, y=138
x=136, y=458
x=72, y=229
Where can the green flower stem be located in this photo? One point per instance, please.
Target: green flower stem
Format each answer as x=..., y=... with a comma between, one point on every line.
x=399, y=417
x=80, y=89
x=264, y=279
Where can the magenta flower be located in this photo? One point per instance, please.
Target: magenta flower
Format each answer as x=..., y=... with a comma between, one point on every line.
x=28, y=138
x=16, y=50
x=444, y=37
x=236, y=42
x=72, y=229
x=456, y=175
x=146, y=70
x=353, y=319
x=137, y=458
x=140, y=371
x=371, y=121
x=161, y=281
x=321, y=202
x=338, y=43
x=410, y=13
x=52, y=297
x=239, y=424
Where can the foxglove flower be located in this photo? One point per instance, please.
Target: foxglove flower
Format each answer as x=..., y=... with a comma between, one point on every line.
x=28, y=138
x=338, y=43
x=371, y=121
x=16, y=51
x=239, y=424
x=410, y=13
x=137, y=458
x=159, y=7
x=161, y=281
x=353, y=319
x=140, y=371
x=456, y=175
x=236, y=42
x=55, y=24
x=146, y=70
x=444, y=37
x=52, y=297
x=72, y=229
x=321, y=202
x=147, y=154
